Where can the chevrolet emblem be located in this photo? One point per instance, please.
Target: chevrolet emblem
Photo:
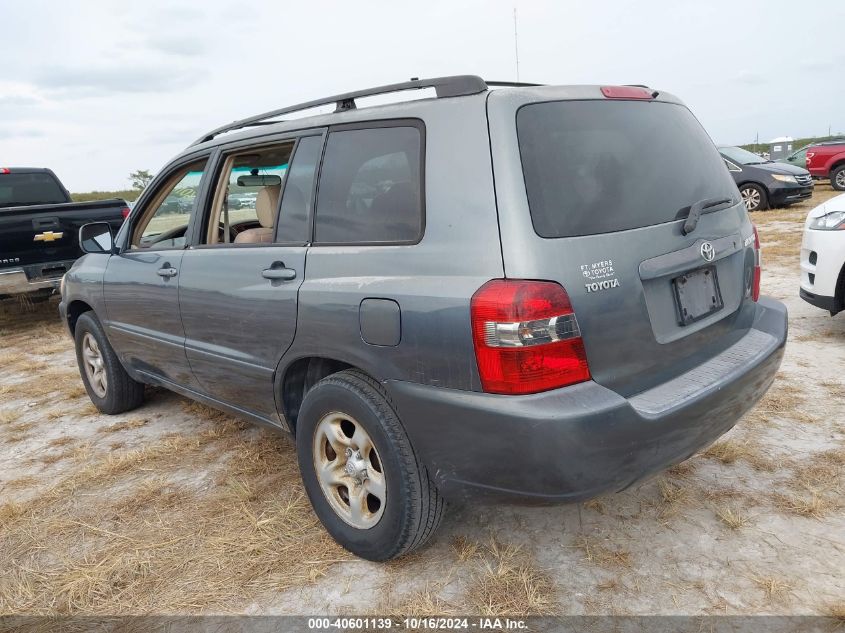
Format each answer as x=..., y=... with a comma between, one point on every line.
x=47, y=236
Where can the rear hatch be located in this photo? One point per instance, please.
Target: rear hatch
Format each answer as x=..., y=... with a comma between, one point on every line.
x=593, y=193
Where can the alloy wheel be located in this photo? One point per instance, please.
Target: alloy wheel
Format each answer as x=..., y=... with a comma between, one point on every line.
x=840, y=179
x=349, y=470
x=94, y=366
x=751, y=198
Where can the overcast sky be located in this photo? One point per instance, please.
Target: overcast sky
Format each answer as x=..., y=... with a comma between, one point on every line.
x=95, y=90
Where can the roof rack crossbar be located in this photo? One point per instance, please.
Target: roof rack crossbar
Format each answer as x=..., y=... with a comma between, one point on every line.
x=454, y=86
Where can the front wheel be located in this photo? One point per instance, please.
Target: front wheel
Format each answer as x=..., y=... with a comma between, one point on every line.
x=837, y=178
x=363, y=478
x=110, y=388
x=754, y=197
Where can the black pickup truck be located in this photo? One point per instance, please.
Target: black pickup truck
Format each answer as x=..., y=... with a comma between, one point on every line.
x=39, y=229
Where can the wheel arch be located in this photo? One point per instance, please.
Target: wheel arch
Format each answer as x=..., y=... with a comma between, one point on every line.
x=76, y=309
x=839, y=293
x=297, y=377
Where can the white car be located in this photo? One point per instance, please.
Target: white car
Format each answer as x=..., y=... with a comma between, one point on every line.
x=823, y=256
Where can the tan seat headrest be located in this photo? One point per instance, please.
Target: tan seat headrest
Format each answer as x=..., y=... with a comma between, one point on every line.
x=266, y=204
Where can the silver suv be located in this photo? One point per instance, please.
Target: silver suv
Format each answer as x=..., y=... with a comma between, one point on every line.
x=536, y=293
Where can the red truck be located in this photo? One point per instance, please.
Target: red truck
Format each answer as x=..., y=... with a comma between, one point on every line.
x=828, y=161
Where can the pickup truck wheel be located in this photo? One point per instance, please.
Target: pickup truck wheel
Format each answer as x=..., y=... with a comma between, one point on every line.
x=754, y=197
x=110, y=388
x=837, y=178
x=361, y=473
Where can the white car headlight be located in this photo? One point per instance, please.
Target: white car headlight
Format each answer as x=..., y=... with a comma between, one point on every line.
x=785, y=178
x=829, y=222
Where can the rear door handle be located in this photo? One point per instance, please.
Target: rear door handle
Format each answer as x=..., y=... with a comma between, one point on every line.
x=166, y=272
x=279, y=271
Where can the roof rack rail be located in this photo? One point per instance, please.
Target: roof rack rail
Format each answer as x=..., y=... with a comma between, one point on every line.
x=454, y=86
x=512, y=84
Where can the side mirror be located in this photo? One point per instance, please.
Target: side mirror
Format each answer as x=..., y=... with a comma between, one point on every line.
x=96, y=237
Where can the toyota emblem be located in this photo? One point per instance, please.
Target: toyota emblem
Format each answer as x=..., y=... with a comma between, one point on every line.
x=708, y=252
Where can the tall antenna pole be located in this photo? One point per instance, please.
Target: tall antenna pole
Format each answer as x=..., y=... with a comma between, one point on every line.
x=516, y=44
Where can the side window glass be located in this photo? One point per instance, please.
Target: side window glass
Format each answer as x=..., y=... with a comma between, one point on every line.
x=165, y=221
x=296, y=199
x=246, y=200
x=370, y=186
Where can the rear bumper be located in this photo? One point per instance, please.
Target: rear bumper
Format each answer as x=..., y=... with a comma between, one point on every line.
x=23, y=279
x=574, y=443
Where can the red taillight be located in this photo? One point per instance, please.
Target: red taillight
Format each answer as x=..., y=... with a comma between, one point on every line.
x=5, y=170
x=526, y=337
x=758, y=267
x=125, y=211
x=626, y=92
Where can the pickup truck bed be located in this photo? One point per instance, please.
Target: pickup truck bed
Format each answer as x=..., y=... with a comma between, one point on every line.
x=40, y=242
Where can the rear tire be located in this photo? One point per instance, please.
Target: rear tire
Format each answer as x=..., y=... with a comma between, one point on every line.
x=837, y=178
x=353, y=452
x=754, y=197
x=110, y=388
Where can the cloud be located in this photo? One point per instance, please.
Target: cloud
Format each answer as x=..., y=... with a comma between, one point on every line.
x=18, y=96
x=749, y=78
x=177, y=44
x=14, y=132
x=106, y=80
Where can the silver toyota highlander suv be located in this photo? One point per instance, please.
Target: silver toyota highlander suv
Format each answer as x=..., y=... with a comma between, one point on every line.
x=536, y=293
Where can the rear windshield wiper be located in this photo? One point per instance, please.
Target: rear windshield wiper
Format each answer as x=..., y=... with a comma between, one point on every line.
x=696, y=209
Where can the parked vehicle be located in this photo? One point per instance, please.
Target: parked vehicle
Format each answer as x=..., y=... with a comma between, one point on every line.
x=823, y=256
x=765, y=183
x=39, y=229
x=828, y=161
x=799, y=157
x=561, y=330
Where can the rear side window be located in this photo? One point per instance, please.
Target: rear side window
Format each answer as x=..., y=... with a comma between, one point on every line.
x=602, y=166
x=36, y=188
x=370, y=187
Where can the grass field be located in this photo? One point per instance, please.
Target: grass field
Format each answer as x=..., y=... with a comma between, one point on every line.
x=177, y=508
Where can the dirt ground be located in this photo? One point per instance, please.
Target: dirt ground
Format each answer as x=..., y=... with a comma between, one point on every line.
x=175, y=508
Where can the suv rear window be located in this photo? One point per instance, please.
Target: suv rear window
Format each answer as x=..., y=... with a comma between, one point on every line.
x=602, y=166
x=33, y=188
x=371, y=186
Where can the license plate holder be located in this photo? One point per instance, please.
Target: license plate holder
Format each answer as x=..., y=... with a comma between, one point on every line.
x=697, y=295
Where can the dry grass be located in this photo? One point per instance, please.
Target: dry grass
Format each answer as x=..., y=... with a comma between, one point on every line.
x=672, y=493
x=821, y=471
x=731, y=451
x=683, y=470
x=464, y=548
x=423, y=603
x=596, y=505
x=26, y=481
x=603, y=553
x=836, y=611
x=61, y=441
x=165, y=545
x=814, y=506
x=126, y=425
x=7, y=416
x=772, y=586
x=732, y=517
x=510, y=585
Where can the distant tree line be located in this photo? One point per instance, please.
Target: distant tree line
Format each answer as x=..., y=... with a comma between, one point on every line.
x=139, y=180
x=759, y=148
